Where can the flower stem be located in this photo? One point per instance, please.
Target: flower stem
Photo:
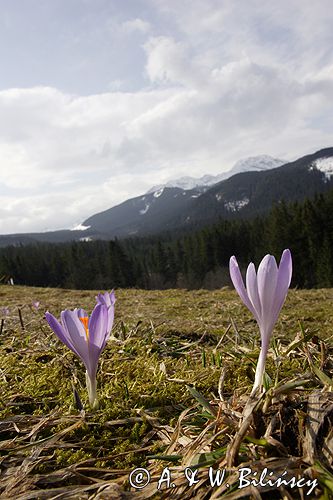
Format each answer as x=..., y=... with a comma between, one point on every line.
x=92, y=391
x=260, y=368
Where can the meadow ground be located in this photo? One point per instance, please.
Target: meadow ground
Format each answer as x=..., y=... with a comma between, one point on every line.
x=174, y=386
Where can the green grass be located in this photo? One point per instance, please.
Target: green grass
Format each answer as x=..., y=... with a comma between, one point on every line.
x=160, y=386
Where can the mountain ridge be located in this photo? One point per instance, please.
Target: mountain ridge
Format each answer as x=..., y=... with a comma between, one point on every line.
x=252, y=163
x=243, y=195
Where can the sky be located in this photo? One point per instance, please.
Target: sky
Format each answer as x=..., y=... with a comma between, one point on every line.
x=102, y=99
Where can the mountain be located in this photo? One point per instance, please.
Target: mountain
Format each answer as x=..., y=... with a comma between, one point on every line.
x=150, y=213
x=243, y=194
x=60, y=236
x=253, y=193
x=253, y=163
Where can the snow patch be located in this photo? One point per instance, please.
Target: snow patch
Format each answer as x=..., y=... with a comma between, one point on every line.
x=145, y=210
x=325, y=165
x=218, y=197
x=158, y=193
x=80, y=227
x=234, y=206
x=86, y=238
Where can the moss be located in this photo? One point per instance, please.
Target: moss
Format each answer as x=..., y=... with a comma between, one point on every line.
x=161, y=340
x=70, y=457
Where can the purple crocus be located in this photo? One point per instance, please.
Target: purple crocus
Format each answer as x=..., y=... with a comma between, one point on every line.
x=35, y=304
x=264, y=296
x=108, y=299
x=86, y=337
x=4, y=311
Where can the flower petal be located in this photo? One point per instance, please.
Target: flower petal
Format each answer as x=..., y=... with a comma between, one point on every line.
x=238, y=283
x=109, y=300
x=60, y=332
x=98, y=326
x=81, y=313
x=267, y=279
x=97, y=336
x=103, y=298
x=112, y=297
x=252, y=289
x=283, y=282
x=77, y=334
x=106, y=298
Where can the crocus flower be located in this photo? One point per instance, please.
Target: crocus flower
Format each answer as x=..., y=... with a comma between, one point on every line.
x=35, y=304
x=264, y=296
x=4, y=311
x=86, y=337
x=108, y=299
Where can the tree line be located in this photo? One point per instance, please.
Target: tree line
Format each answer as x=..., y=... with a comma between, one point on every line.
x=186, y=259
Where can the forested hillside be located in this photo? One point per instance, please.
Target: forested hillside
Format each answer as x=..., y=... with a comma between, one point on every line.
x=192, y=259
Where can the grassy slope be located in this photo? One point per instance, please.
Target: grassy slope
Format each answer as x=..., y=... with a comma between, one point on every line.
x=164, y=340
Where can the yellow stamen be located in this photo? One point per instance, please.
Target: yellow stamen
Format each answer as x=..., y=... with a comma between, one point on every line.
x=85, y=321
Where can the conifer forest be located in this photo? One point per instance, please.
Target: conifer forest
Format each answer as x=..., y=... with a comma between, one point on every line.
x=186, y=258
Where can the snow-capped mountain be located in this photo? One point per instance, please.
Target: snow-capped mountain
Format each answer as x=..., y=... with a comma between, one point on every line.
x=255, y=164
x=251, y=188
x=251, y=164
x=187, y=182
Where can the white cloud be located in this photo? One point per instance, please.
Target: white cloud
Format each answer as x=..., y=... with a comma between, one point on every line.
x=169, y=61
x=224, y=80
x=136, y=25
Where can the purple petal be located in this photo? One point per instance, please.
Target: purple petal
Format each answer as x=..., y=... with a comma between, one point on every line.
x=108, y=299
x=238, y=283
x=98, y=326
x=283, y=282
x=112, y=297
x=60, y=332
x=110, y=321
x=267, y=279
x=81, y=313
x=76, y=334
x=5, y=311
x=102, y=299
x=252, y=289
x=72, y=323
x=97, y=336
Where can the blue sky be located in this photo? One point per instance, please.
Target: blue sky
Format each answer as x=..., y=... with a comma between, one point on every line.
x=101, y=99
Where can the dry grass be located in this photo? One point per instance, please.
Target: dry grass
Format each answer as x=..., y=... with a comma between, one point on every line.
x=174, y=389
